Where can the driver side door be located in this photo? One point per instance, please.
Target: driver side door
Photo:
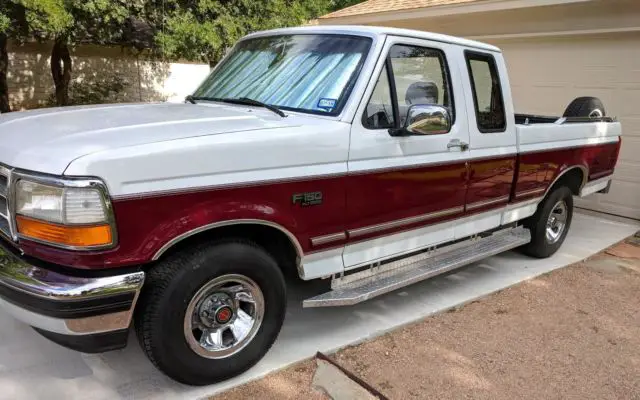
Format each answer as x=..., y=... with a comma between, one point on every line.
x=400, y=190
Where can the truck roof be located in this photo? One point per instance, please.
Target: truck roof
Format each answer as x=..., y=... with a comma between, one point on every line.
x=376, y=31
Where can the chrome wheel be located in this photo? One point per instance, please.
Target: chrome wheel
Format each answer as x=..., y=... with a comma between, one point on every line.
x=556, y=222
x=224, y=316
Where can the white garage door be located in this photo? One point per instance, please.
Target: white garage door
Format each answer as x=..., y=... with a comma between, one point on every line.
x=547, y=73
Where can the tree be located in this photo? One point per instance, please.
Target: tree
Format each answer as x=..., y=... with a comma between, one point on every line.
x=65, y=22
x=202, y=30
x=21, y=20
x=95, y=22
x=197, y=30
x=4, y=65
x=340, y=4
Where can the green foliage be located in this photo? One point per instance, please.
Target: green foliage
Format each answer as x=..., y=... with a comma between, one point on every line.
x=202, y=30
x=39, y=19
x=108, y=89
x=100, y=21
x=340, y=4
x=5, y=21
x=78, y=21
x=196, y=30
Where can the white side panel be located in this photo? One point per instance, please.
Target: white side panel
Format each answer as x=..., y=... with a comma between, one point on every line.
x=369, y=251
x=319, y=149
x=540, y=137
x=493, y=144
x=376, y=149
x=322, y=264
x=519, y=211
x=477, y=224
x=595, y=186
x=399, y=243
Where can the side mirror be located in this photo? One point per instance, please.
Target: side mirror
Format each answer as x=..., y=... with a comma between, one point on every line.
x=423, y=119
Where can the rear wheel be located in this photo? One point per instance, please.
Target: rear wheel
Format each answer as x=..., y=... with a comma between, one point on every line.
x=211, y=313
x=550, y=224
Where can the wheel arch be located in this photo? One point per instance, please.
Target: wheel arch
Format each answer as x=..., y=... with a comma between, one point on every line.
x=575, y=177
x=281, y=243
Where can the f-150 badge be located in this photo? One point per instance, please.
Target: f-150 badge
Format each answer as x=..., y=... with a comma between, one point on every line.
x=307, y=199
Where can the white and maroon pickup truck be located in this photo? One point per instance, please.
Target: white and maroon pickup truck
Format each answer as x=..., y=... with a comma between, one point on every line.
x=372, y=157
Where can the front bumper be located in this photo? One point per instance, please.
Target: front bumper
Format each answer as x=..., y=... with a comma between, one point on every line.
x=88, y=314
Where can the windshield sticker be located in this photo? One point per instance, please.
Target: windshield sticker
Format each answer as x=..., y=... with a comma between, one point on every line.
x=327, y=104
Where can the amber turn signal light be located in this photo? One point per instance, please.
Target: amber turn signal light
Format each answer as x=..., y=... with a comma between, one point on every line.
x=75, y=236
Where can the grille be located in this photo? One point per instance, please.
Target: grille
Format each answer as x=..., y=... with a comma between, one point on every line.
x=5, y=216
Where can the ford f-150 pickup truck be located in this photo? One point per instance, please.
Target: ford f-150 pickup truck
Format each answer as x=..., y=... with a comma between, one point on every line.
x=370, y=157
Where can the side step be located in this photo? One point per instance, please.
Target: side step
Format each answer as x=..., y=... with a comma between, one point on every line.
x=381, y=279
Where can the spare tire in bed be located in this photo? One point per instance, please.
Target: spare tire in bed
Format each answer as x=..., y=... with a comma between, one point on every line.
x=585, y=107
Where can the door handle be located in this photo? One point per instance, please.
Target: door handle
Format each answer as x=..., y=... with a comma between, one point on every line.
x=457, y=143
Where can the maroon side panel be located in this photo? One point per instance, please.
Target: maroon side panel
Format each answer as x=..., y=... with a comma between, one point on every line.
x=532, y=172
x=598, y=160
x=391, y=195
x=146, y=224
x=490, y=179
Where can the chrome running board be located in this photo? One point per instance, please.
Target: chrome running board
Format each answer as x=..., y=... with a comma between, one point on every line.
x=384, y=278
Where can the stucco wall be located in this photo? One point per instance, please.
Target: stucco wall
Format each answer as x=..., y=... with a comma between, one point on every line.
x=593, y=15
x=30, y=83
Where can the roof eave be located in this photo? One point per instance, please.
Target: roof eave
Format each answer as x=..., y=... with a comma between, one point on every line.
x=436, y=11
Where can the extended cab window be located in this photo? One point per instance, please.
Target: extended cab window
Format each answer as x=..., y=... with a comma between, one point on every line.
x=412, y=75
x=487, y=93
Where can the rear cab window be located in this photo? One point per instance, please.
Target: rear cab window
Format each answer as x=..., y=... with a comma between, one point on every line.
x=487, y=92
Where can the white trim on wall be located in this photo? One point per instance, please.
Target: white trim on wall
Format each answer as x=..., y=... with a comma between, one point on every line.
x=556, y=33
x=437, y=11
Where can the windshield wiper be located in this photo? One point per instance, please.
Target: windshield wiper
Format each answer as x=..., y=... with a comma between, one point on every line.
x=251, y=102
x=192, y=99
x=245, y=101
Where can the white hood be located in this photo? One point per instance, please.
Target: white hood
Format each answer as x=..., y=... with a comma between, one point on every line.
x=47, y=140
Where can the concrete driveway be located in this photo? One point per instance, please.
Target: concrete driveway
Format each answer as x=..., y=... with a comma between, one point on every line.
x=32, y=367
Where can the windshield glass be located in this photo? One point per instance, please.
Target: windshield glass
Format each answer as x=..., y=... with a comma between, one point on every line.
x=307, y=73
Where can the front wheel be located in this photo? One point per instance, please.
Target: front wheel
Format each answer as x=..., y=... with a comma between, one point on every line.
x=550, y=224
x=211, y=313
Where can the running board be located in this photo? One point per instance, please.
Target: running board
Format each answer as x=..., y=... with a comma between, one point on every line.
x=380, y=279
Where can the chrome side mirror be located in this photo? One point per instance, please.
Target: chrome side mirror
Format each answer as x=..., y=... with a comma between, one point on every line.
x=427, y=120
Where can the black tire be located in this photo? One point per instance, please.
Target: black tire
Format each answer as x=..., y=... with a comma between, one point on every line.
x=585, y=107
x=168, y=290
x=540, y=246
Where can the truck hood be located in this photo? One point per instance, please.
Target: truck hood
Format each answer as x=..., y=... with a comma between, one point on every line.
x=47, y=140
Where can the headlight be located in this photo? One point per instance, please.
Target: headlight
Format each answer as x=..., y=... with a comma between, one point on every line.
x=39, y=201
x=74, y=217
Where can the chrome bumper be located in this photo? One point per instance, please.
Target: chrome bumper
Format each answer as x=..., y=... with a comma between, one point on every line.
x=67, y=306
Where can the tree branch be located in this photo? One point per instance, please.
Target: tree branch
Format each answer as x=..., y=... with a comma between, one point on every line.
x=61, y=70
x=4, y=67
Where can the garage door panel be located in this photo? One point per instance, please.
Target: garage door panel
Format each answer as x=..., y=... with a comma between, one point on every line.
x=608, y=203
x=548, y=73
x=629, y=106
x=553, y=99
x=630, y=149
x=628, y=172
x=630, y=130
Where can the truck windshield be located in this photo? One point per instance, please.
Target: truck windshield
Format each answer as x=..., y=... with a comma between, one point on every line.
x=306, y=73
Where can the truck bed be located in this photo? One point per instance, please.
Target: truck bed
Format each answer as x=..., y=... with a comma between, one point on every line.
x=530, y=119
x=544, y=135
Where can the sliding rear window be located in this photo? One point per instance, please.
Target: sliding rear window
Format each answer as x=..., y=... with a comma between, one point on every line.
x=487, y=92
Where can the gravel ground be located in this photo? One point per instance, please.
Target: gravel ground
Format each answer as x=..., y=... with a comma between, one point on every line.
x=573, y=333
